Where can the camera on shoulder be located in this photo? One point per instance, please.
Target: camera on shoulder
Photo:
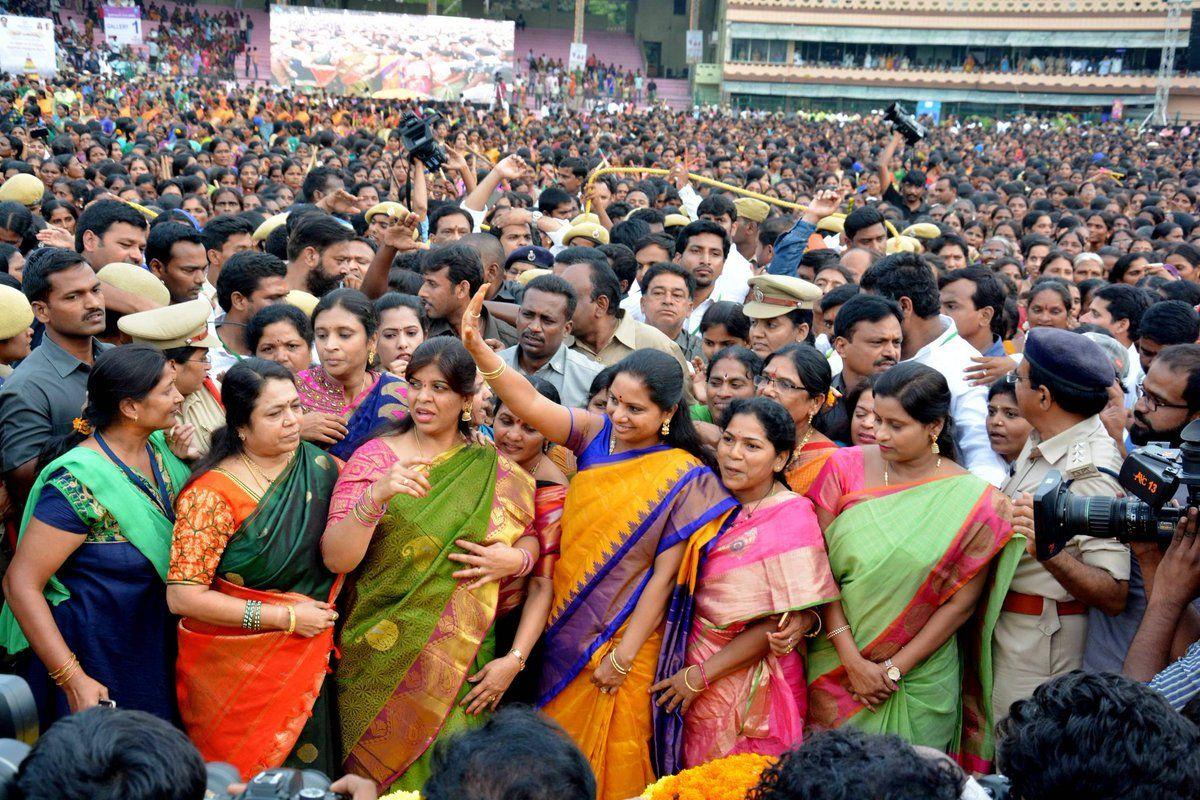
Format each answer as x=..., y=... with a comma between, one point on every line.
x=1152, y=474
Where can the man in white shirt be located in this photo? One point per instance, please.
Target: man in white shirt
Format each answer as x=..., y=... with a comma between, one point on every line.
x=721, y=210
x=932, y=339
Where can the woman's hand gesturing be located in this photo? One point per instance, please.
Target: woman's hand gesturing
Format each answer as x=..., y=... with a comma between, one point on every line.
x=472, y=337
x=406, y=476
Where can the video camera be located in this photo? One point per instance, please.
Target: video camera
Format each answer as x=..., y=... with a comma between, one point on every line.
x=416, y=133
x=1152, y=474
x=905, y=123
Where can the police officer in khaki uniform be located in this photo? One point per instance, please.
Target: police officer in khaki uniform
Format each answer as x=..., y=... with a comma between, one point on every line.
x=1061, y=386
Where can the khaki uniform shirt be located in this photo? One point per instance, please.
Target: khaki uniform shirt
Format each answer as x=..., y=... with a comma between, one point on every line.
x=1076, y=453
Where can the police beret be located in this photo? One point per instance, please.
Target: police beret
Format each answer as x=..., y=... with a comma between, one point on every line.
x=752, y=209
x=1071, y=358
x=676, y=221
x=586, y=217
x=23, y=188
x=179, y=325
x=135, y=279
x=16, y=314
x=776, y=295
x=530, y=258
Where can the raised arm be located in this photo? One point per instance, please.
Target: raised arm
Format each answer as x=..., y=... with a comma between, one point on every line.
x=509, y=169
x=397, y=239
x=885, y=161
x=553, y=421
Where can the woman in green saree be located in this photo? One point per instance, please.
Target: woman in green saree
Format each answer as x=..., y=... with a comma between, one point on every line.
x=418, y=628
x=923, y=553
x=247, y=577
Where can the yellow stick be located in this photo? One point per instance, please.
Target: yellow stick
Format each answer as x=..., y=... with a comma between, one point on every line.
x=775, y=201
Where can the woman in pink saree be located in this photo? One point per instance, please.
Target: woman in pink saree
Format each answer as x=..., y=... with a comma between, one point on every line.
x=742, y=689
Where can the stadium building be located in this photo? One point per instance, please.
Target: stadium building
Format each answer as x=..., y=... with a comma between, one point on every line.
x=990, y=57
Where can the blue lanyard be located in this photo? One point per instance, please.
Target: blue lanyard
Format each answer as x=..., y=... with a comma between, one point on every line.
x=161, y=497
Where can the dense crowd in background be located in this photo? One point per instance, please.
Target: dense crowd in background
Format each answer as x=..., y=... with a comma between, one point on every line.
x=696, y=472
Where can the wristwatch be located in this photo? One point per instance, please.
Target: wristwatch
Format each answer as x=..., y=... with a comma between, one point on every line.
x=893, y=672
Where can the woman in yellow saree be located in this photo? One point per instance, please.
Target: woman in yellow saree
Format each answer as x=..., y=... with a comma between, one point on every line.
x=923, y=553
x=637, y=517
x=417, y=626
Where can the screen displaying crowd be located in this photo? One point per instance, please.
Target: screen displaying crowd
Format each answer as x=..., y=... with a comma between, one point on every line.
x=444, y=58
x=726, y=483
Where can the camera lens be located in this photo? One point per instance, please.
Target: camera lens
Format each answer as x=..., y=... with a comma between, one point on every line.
x=1126, y=518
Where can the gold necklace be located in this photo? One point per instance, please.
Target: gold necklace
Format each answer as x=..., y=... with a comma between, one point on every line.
x=256, y=472
x=803, y=441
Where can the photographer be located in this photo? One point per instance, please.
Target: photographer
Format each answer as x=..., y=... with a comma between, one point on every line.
x=1061, y=386
x=1169, y=398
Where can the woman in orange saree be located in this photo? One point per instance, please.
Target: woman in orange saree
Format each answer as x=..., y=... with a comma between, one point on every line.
x=247, y=578
x=798, y=378
x=637, y=516
x=923, y=553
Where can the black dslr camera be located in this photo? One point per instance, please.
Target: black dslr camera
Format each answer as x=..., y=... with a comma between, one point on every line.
x=416, y=133
x=1152, y=474
x=272, y=784
x=905, y=123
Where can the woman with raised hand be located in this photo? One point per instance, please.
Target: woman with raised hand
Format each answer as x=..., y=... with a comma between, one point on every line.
x=637, y=515
x=923, y=552
x=419, y=625
x=86, y=585
x=743, y=689
x=247, y=577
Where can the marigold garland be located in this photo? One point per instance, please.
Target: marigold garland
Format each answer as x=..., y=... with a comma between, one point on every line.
x=404, y=795
x=729, y=778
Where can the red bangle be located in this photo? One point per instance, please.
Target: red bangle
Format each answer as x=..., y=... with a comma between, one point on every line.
x=703, y=675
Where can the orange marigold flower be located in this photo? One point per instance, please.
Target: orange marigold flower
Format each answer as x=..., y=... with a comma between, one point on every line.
x=729, y=778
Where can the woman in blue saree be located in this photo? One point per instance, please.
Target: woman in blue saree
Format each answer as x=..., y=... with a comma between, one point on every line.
x=86, y=588
x=343, y=399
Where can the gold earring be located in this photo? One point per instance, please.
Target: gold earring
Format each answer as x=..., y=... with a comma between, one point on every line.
x=666, y=427
x=370, y=356
x=933, y=447
x=466, y=415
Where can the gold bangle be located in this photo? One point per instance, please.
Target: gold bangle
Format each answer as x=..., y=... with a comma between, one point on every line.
x=836, y=631
x=71, y=669
x=496, y=373
x=65, y=668
x=612, y=658
x=817, y=632
x=291, y=628
x=688, y=683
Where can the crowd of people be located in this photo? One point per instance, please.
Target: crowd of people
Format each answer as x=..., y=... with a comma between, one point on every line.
x=547, y=81
x=183, y=41
x=296, y=429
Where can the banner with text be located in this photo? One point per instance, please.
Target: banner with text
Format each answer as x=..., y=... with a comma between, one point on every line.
x=27, y=45
x=122, y=26
x=577, y=58
x=390, y=56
